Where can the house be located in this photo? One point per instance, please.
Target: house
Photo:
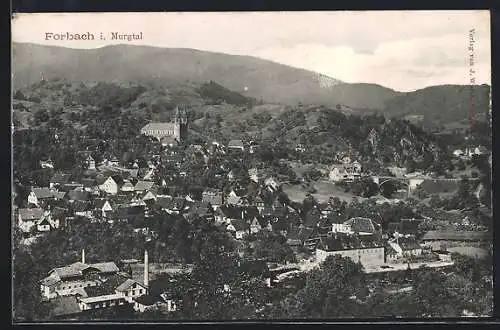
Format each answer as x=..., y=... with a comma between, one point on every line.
x=361, y=226
x=89, y=184
x=127, y=186
x=253, y=173
x=406, y=247
x=82, y=209
x=113, y=161
x=103, y=206
x=39, y=195
x=28, y=218
x=142, y=186
x=345, y=172
x=128, y=213
x=255, y=225
x=90, y=162
x=236, y=145
x=59, y=179
x=391, y=255
x=365, y=250
x=259, y=203
x=46, y=163
x=112, y=184
x=213, y=196
x=225, y=214
x=233, y=198
x=114, y=291
x=63, y=281
x=43, y=225
x=201, y=209
x=149, y=195
x=150, y=302
x=78, y=196
x=239, y=228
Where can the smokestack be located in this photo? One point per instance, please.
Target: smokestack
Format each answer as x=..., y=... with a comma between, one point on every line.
x=83, y=256
x=146, y=269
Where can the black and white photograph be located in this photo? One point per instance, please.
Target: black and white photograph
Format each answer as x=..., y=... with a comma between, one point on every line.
x=251, y=166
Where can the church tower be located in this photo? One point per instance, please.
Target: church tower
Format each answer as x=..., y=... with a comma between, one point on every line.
x=181, y=123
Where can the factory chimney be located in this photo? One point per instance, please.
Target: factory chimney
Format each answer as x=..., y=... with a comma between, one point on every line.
x=83, y=256
x=146, y=269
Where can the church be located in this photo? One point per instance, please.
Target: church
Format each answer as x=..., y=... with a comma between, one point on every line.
x=169, y=133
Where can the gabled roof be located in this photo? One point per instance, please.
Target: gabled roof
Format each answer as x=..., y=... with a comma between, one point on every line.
x=81, y=206
x=79, y=195
x=305, y=233
x=89, y=182
x=30, y=214
x=74, y=269
x=143, y=185
x=60, y=178
x=408, y=244
x=105, y=267
x=50, y=280
x=361, y=225
x=239, y=225
x=118, y=179
x=235, y=144
x=158, y=126
x=127, y=284
x=42, y=193
x=99, y=203
x=212, y=191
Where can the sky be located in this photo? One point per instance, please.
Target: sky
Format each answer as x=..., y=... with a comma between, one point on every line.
x=402, y=50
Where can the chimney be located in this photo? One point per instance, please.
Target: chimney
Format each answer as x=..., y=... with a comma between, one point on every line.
x=146, y=269
x=83, y=256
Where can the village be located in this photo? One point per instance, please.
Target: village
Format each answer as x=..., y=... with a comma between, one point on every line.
x=242, y=205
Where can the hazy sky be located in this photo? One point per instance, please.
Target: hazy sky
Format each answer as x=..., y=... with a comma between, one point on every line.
x=403, y=50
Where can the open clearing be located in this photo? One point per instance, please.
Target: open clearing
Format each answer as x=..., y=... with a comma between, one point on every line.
x=324, y=190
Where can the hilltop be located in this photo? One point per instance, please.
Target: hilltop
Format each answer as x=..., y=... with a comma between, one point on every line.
x=250, y=76
x=189, y=74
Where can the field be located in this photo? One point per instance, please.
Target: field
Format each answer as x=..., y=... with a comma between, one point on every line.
x=324, y=190
x=470, y=251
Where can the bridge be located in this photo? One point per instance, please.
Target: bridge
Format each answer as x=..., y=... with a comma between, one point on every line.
x=413, y=182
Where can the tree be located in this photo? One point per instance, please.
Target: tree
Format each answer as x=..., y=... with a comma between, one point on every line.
x=327, y=292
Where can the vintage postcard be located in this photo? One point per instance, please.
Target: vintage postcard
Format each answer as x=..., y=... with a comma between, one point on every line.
x=251, y=166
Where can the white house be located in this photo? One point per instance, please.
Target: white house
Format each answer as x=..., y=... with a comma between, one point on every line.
x=112, y=185
x=46, y=164
x=255, y=226
x=345, y=172
x=28, y=218
x=38, y=195
x=232, y=198
x=406, y=247
x=127, y=186
x=104, y=206
x=341, y=228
